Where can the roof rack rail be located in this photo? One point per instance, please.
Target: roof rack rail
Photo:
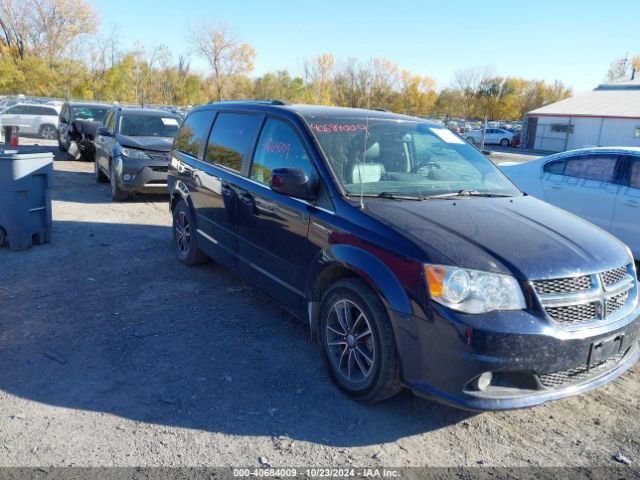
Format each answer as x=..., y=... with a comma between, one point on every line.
x=259, y=102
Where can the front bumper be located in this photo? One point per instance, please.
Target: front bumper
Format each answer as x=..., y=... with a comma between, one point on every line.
x=141, y=175
x=444, y=354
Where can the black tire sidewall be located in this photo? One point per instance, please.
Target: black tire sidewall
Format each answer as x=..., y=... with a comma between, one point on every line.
x=190, y=256
x=339, y=292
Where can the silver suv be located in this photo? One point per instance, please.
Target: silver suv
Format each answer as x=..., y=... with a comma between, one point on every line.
x=32, y=119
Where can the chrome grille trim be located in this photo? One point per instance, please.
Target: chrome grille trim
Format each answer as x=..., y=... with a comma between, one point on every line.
x=610, y=295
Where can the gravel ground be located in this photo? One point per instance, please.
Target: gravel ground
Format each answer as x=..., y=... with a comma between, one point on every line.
x=114, y=354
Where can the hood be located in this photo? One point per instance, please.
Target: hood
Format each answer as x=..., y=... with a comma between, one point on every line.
x=158, y=144
x=521, y=236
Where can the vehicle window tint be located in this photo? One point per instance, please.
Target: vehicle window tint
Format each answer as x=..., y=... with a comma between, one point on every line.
x=64, y=113
x=278, y=147
x=231, y=139
x=600, y=168
x=634, y=173
x=18, y=110
x=556, y=167
x=50, y=111
x=193, y=131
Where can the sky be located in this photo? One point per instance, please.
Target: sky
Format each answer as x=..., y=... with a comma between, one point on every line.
x=571, y=41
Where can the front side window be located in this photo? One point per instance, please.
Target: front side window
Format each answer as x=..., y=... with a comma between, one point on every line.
x=278, y=147
x=555, y=167
x=145, y=125
x=600, y=168
x=381, y=157
x=193, y=131
x=110, y=121
x=231, y=139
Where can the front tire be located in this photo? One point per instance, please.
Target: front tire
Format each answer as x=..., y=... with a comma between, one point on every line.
x=99, y=175
x=357, y=342
x=184, y=238
x=471, y=140
x=48, y=132
x=116, y=193
x=505, y=142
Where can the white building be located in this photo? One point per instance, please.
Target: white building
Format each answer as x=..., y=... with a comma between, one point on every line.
x=604, y=117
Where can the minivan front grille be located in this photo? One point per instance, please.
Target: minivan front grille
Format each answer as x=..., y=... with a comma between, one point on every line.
x=611, y=277
x=586, y=299
x=563, y=285
x=574, y=314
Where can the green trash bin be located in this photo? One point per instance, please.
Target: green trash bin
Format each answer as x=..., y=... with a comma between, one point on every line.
x=26, y=179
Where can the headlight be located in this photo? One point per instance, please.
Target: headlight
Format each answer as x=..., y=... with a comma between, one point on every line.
x=471, y=291
x=135, y=154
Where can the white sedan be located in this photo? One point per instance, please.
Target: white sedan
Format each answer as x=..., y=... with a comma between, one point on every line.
x=495, y=136
x=601, y=185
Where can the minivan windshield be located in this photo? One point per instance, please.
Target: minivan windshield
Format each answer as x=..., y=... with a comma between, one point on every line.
x=402, y=158
x=145, y=125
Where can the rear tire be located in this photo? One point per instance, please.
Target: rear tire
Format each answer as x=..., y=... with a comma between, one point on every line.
x=358, y=346
x=184, y=236
x=471, y=140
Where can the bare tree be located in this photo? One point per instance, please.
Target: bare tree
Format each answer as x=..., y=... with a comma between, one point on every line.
x=58, y=23
x=15, y=25
x=468, y=82
x=44, y=28
x=226, y=54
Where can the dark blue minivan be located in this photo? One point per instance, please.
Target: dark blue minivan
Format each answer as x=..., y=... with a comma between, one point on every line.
x=414, y=260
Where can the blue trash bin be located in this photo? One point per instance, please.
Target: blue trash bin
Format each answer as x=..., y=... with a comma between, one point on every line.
x=26, y=179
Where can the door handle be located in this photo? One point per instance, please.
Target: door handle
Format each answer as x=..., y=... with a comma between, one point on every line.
x=556, y=187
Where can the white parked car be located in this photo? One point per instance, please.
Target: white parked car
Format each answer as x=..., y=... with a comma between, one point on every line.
x=601, y=185
x=492, y=136
x=32, y=119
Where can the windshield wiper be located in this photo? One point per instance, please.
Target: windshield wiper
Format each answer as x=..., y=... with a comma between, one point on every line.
x=389, y=195
x=469, y=193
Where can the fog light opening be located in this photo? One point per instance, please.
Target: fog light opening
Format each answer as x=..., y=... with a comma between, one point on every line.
x=127, y=178
x=484, y=381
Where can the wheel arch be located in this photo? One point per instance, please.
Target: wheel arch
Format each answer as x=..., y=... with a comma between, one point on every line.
x=345, y=261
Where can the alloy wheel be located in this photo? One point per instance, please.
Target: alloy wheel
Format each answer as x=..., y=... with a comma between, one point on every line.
x=350, y=342
x=183, y=233
x=48, y=133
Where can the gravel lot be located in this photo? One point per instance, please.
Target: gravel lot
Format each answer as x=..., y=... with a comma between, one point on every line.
x=113, y=353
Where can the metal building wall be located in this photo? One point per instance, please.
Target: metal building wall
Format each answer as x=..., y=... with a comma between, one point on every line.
x=587, y=132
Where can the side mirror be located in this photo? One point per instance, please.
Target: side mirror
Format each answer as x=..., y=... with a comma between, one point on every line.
x=293, y=182
x=104, y=131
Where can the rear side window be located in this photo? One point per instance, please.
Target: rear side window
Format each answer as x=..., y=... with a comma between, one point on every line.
x=231, y=139
x=193, y=131
x=600, y=168
x=278, y=147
